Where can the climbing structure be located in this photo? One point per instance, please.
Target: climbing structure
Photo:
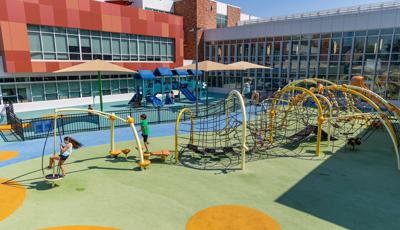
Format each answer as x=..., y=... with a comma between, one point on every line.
x=313, y=111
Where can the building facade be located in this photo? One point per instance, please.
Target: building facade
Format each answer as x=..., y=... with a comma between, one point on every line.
x=334, y=44
x=39, y=37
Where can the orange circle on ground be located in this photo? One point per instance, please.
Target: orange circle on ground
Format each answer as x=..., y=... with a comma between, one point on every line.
x=80, y=228
x=232, y=217
x=12, y=195
x=6, y=155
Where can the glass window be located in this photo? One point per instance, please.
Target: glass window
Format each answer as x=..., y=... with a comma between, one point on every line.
x=221, y=20
x=359, y=44
x=34, y=42
x=314, y=46
x=116, y=46
x=385, y=43
x=124, y=46
x=133, y=47
x=347, y=44
x=86, y=89
x=142, y=48
x=372, y=45
x=149, y=48
x=96, y=45
x=37, y=92
x=73, y=44
x=61, y=43
x=106, y=45
x=48, y=43
x=63, y=91
x=156, y=47
x=85, y=45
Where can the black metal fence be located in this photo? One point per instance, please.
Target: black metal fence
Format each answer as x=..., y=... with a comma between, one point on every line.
x=35, y=128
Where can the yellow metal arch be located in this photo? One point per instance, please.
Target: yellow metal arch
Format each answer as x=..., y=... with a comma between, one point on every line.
x=313, y=97
x=378, y=100
x=314, y=81
x=110, y=116
x=178, y=119
x=235, y=93
x=383, y=118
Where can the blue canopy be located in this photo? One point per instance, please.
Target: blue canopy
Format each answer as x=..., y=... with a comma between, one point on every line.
x=164, y=72
x=193, y=72
x=145, y=75
x=180, y=72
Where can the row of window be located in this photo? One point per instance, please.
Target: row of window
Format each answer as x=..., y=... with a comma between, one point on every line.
x=374, y=54
x=87, y=86
x=58, y=78
x=57, y=43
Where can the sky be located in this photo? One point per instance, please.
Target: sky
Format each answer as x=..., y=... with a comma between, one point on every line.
x=268, y=8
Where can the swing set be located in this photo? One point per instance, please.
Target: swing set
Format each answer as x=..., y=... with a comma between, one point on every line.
x=111, y=117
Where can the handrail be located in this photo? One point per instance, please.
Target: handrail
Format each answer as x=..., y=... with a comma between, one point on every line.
x=324, y=13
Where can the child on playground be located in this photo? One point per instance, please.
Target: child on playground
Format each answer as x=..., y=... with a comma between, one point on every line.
x=65, y=152
x=172, y=97
x=249, y=94
x=144, y=128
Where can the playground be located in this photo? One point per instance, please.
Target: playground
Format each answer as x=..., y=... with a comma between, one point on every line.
x=315, y=155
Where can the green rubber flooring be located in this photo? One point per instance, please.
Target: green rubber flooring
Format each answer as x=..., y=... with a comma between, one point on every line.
x=347, y=190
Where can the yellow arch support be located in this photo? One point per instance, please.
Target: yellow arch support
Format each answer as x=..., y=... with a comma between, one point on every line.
x=110, y=117
x=314, y=81
x=320, y=120
x=235, y=93
x=377, y=99
x=178, y=119
x=383, y=118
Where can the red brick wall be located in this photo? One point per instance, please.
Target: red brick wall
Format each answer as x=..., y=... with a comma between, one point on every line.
x=187, y=9
x=84, y=14
x=196, y=13
x=233, y=16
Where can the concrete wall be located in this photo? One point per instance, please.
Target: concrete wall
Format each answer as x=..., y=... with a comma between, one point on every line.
x=40, y=105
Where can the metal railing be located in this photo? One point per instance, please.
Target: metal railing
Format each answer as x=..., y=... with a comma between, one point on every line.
x=35, y=128
x=330, y=12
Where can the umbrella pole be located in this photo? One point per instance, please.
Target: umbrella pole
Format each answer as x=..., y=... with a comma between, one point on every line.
x=206, y=84
x=100, y=90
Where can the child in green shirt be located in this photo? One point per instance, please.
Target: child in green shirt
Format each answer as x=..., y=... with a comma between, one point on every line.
x=144, y=127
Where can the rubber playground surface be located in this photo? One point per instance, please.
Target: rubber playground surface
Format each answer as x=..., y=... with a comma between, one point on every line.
x=346, y=190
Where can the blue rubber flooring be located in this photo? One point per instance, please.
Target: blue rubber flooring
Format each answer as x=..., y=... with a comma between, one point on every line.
x=33, y=148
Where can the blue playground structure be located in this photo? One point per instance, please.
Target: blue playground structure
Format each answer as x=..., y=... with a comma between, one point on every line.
x=163, y=86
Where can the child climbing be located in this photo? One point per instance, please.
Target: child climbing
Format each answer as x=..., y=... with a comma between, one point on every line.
x=65, y=152
x=144, y=128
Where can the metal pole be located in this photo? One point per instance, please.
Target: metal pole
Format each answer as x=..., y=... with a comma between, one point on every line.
x=197, y=74
x=100, y=90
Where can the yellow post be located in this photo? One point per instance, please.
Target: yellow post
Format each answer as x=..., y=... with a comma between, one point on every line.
x=135, y=134
x=178, y=119
x=55, y=140
x=112, y=144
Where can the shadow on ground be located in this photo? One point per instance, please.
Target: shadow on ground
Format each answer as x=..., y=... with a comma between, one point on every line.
x=354, y=189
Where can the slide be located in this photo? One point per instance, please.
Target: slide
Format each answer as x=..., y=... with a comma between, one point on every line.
x=136, y=100
x=154, y=100
x=189, y=95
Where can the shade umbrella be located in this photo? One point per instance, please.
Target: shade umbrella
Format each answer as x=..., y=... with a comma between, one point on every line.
x=243, y=66
x=206, y=66
x=96, y=66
